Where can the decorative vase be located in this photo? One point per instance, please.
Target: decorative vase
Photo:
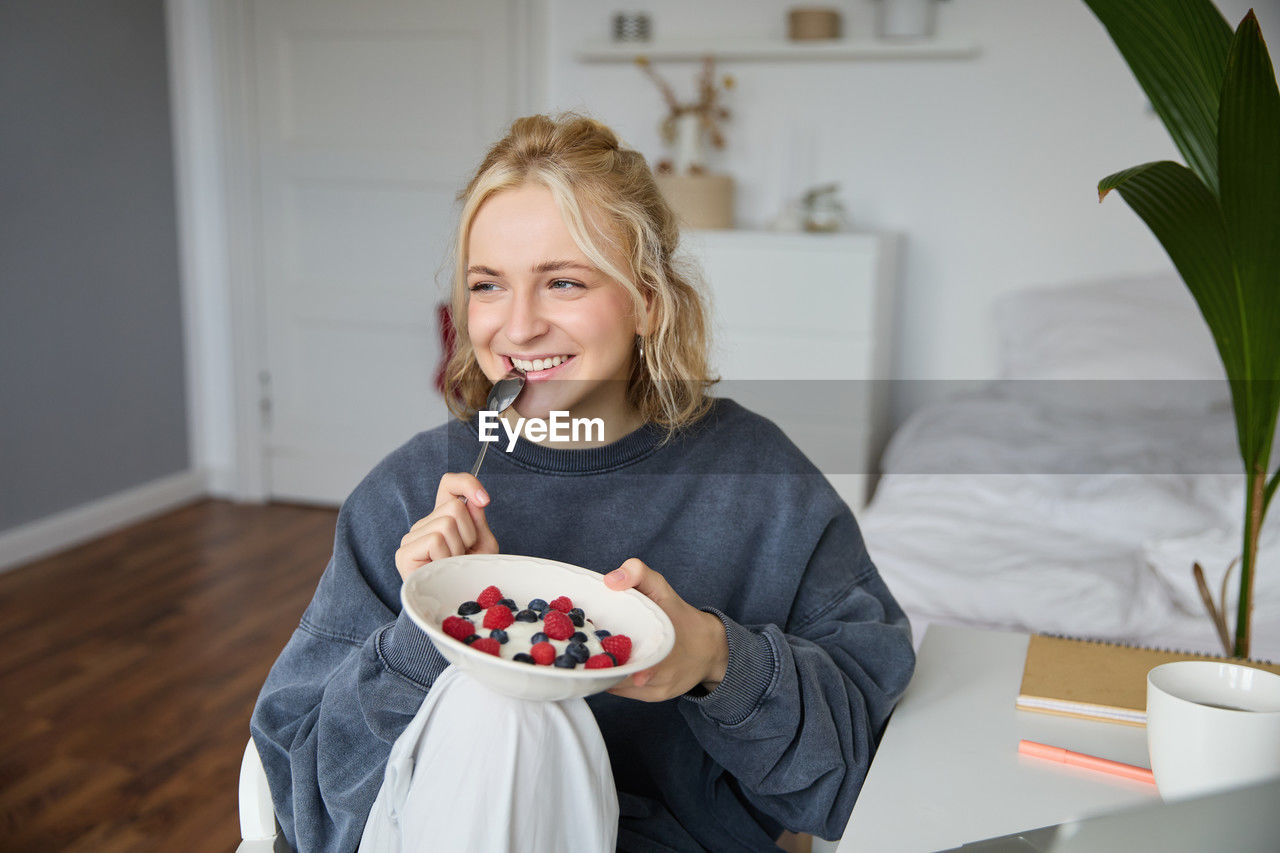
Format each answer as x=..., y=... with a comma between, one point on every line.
x=688, y=154
x=905, y=19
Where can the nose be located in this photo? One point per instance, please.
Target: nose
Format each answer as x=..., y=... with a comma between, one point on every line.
x=525, y=321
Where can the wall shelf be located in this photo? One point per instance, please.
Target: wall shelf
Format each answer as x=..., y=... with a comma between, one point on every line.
x=771, y=50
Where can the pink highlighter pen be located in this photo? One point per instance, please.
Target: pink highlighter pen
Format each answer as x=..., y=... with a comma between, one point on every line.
x=1079, y=759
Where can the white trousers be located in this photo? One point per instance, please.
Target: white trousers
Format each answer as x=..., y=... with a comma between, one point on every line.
x=478, y=771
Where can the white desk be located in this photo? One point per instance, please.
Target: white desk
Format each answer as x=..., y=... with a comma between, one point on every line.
x=948, y=769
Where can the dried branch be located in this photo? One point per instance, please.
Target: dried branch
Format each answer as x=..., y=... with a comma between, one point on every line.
x=1216, y=616
x=710, y=113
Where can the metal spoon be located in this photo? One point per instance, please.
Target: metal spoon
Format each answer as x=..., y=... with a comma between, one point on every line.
x=503, y=393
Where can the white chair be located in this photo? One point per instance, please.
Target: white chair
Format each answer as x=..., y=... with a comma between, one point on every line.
x=257, y=816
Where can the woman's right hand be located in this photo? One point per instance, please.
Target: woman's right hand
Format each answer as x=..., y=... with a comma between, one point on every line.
x=452, y=528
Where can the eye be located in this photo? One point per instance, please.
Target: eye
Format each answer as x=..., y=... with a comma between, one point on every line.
x=483, y=287
x=564, y=284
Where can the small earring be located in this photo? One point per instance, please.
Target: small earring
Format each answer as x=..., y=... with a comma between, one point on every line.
x=640, y=346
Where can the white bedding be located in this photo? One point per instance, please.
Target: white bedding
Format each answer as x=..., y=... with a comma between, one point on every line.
x=1076, y=507
x=976, y=520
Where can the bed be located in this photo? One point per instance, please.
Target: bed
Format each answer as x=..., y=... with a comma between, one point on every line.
x=1073, y=494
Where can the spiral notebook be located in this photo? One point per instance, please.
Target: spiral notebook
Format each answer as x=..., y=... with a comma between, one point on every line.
x=1097, y=680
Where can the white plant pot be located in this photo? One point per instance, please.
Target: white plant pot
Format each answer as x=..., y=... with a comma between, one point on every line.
x=906, y=19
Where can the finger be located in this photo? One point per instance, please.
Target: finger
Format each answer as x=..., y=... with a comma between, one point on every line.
x=454, y=514
x=438, y=548
x=412, y=557
x=405, y=564
x=424, y=549
x=454, y=529
x=420, y=526
x=483, y=541
x=634, y=574
x=461, y=485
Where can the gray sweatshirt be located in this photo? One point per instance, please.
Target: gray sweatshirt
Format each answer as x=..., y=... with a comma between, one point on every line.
x=738, y=521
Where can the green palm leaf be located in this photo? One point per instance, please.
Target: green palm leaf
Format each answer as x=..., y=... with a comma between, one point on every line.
x=1187, y=220
x=1249, y=173
x=1177, y=50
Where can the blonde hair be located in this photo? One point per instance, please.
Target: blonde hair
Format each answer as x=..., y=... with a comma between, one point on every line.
x=607, y=198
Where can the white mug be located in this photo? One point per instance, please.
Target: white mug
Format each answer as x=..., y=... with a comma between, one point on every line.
x=1211, y=726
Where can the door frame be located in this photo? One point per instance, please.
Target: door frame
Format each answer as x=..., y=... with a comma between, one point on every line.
x=215, y=135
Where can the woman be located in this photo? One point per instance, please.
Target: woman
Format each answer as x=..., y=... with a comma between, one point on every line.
x=790, y=652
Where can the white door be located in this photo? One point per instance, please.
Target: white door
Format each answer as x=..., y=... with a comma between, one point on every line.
x=370, y=116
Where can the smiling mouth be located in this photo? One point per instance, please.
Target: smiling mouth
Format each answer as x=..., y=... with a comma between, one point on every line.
x=538, y=364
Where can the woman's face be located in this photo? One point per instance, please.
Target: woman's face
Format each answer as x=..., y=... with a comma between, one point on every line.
x=537, y=303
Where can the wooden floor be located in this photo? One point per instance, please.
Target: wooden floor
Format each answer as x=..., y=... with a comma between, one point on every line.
x=129, y=667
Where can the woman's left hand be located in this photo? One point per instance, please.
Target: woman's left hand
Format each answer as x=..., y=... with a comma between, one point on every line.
x=701, y=651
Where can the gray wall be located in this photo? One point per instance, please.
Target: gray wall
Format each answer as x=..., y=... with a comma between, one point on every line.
x=92, y=392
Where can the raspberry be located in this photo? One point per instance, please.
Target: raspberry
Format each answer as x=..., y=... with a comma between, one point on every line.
x=563, y=604
x=557, y=626
x=543, y=653
x=487, y=645
x=458, y=628
x=490, y=596
x=498, y=616
x=599, y=661
x=618, y=645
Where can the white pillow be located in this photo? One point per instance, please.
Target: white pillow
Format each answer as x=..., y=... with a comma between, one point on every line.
x=1137, y=334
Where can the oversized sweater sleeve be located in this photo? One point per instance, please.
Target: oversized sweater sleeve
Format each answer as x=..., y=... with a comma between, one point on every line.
x=799, y=714
x=347, y=684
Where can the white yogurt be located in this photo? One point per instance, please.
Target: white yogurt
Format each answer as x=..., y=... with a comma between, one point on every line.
x=520, y=634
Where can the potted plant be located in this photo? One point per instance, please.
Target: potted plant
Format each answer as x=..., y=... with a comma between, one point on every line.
x=1218, y=217
x=701, y=198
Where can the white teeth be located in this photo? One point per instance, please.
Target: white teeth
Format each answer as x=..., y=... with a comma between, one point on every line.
x=539, y=363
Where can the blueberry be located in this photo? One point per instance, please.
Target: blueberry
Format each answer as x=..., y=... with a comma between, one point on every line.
x=510, y=605
x=565, y=661
x=468, y=608
x=578, y=652
x=539, y=605
x=576, y=616
x=526, y=616
x=471, y=639
x=578, y=637
x=601, y=634
x=523, y=658
x=498, y=634
x=538, y=638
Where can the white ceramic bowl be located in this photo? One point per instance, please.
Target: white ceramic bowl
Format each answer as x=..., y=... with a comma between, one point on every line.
x=435, y=591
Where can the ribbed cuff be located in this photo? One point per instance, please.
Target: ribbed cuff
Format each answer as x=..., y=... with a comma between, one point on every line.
x=406, y=649
x=750, y=672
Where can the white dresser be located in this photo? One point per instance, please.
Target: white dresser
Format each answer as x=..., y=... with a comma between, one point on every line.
x=801, y=334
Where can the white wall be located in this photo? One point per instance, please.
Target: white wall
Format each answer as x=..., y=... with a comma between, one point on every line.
x=988, y=166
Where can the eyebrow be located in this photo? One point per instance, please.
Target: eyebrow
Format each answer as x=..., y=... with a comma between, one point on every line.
x=545, y=266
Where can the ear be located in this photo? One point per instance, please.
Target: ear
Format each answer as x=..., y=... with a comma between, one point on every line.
x=647, y=320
